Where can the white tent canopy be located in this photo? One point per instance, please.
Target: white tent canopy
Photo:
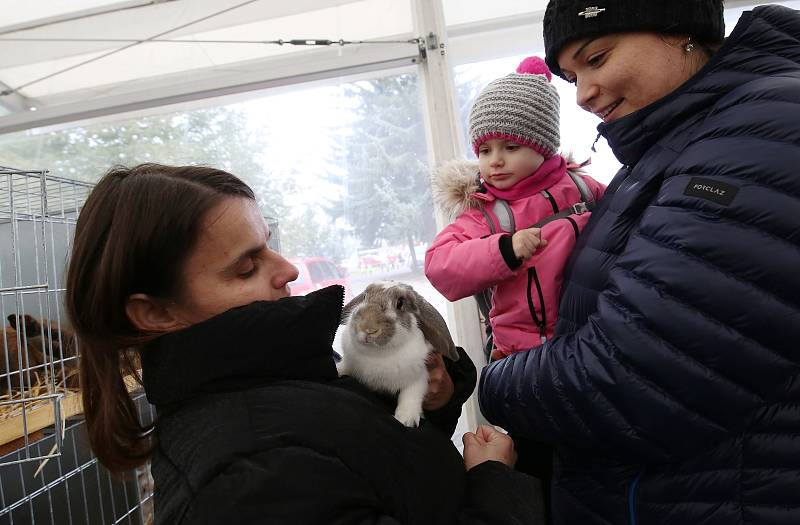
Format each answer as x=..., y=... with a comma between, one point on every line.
x=72, y=59
x=157, y=39
x=64, y=60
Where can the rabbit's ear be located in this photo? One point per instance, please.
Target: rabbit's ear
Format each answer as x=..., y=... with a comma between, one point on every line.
x=433, y=327
x=29, y=324
x=348, y=308
x=32, y=325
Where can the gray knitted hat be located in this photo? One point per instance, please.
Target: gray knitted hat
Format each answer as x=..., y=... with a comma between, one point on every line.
x=522, y=107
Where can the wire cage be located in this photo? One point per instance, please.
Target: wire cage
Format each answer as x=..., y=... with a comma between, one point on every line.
x=47, y=472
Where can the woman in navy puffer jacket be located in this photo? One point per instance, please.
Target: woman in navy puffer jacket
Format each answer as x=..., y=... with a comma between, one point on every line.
x=672, y=390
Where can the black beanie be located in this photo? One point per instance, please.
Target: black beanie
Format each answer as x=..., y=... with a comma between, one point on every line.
x=568, y=20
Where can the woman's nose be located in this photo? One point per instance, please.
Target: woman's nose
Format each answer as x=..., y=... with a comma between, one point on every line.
x=585, y=95
x=285, y=273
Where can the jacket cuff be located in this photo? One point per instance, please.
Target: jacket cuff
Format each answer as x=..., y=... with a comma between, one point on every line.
x=507, y=251
x=493, y=487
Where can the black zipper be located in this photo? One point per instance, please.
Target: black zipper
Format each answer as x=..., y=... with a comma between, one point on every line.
x=533, y=277
x=574, y=226
x=552, y=200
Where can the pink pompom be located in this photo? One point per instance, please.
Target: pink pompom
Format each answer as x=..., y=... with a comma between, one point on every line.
x=535, y=66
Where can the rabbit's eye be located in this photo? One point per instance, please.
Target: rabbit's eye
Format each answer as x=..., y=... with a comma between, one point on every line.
x=400, y=303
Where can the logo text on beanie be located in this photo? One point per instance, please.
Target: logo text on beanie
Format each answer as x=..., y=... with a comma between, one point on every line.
x=712, y=190
x=591, y=12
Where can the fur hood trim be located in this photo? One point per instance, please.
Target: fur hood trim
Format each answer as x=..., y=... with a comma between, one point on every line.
x=454, y=187
x=456, y=184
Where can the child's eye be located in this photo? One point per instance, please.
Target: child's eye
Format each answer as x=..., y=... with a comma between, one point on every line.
x=483, y=151
x=512, y=147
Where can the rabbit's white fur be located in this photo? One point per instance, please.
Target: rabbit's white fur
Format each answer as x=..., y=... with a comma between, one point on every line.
x=396, y=366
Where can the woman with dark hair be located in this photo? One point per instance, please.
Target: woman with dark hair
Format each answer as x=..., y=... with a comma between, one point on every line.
x=170, y=267
x=671, y=390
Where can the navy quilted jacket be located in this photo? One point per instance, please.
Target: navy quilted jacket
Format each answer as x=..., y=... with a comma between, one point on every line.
x=672, y=392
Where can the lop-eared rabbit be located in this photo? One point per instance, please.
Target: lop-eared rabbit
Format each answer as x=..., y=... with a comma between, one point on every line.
x=390, y=330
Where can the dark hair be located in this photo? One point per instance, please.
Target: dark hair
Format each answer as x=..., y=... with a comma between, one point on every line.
x=133, y=235
x=707, y=47
x=710, y=46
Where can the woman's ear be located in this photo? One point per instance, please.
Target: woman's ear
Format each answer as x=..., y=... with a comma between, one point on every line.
x=676, y=41
x=151, y=315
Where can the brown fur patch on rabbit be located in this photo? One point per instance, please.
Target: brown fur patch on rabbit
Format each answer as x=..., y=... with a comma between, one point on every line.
x=390, y=330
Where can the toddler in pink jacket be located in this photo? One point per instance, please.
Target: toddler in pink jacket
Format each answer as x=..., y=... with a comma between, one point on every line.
x=514, y=131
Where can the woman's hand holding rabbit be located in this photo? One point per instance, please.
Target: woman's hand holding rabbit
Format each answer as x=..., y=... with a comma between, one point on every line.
x=440, y=385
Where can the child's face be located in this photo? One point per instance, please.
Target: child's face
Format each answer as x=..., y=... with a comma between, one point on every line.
x=504, y=163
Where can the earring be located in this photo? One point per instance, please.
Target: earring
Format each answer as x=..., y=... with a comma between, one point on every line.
x=689, y=47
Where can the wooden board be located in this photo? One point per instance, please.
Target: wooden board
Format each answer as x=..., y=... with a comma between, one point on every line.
x=42, y=414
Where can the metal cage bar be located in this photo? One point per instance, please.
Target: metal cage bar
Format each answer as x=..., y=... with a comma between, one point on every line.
x=48, y=474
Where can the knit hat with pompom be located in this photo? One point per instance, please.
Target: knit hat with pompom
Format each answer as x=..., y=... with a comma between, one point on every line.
x=522, y=107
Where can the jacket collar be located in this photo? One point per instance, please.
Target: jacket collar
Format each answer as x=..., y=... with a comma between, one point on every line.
x=742, y=56
x=245, y=347
x=550, y=172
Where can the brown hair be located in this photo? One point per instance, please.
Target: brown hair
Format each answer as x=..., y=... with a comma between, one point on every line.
x=133, y=235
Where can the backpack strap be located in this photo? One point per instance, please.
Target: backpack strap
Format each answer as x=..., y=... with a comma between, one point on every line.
x=586, y=194
x=505, y=218
x=585, y=205
x=499, y=217
x=484, y=300
x=490, y=219
x=579, y=208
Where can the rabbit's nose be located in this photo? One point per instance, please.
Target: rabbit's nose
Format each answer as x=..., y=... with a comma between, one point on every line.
x=371, y=331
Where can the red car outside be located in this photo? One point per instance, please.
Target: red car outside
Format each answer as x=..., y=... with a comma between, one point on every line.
x=316, y=273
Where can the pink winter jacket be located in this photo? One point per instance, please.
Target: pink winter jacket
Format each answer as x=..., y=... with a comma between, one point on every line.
x=465, y=257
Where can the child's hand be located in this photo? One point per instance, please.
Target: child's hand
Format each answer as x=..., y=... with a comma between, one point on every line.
x=487, y=444
x=526, y=241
